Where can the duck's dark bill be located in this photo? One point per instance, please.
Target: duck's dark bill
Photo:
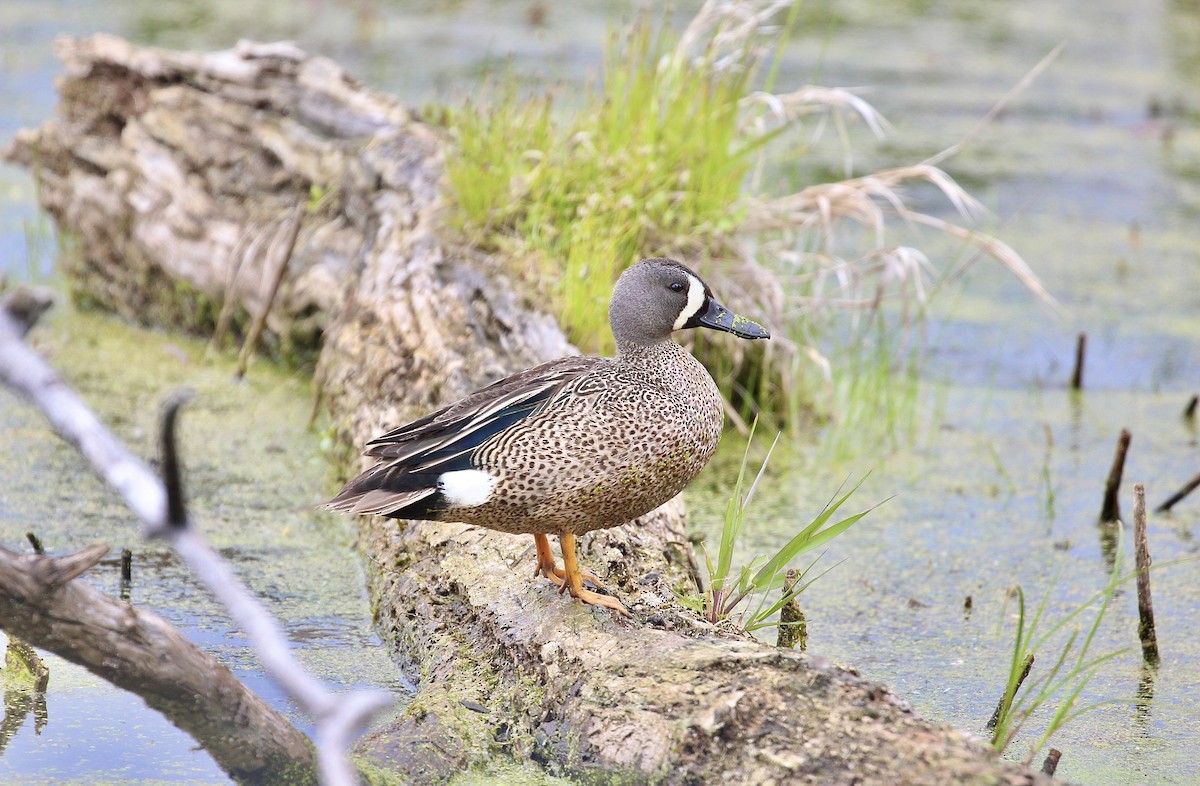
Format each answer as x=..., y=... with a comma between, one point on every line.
x=718, y=317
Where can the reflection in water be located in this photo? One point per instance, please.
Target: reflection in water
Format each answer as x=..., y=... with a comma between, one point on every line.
x=25, y=681
x=1144, y=703
x=1110, y=538
x=1047, y=478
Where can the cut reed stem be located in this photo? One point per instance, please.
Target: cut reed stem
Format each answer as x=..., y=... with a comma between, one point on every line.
x=1146, y=630
x=1111, y=511
x=1050, y=764
x=1080, y=352
x=1025, y=667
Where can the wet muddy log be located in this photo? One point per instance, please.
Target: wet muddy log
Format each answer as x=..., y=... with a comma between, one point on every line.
x=175, y=170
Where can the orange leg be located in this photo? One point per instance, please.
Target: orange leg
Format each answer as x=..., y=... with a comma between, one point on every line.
x=573, y=581
x=546, y=566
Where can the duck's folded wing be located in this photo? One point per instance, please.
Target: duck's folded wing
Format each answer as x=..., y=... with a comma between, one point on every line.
x=413, y=457
x=467, y=423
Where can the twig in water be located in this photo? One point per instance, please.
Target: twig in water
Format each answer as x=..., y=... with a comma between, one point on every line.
x=291, y=233
x=172, y=473
x=1112, y=487
x=25, y=305
x=1080, y=352
x=1188, y=488
x=126, y=573
x=1142, y=553
x=793, y=626
x=1189, y=412
x=1050, y=764
x=992, y=721
x=36, y=542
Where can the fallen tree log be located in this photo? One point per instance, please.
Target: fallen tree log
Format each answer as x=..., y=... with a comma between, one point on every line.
x=174, y=170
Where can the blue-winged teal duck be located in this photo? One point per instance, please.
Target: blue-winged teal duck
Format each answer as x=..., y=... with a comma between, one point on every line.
x=573, y=445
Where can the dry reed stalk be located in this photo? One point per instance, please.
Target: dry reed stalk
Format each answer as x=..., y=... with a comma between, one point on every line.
x=289, y=233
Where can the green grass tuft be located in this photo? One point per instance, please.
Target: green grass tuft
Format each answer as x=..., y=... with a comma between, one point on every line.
x=727, y=590
x=1068, y=675
x=653, y=162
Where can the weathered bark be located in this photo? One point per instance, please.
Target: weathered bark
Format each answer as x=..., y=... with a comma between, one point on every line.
x=143, y=653
x=162, y=160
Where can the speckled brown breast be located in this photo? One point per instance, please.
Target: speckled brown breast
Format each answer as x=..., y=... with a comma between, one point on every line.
x=617, y=443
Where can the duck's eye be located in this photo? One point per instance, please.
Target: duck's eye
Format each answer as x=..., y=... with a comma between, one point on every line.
x=677, y=287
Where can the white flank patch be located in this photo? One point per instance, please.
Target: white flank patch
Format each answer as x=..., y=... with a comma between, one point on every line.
x=466, y=487
x=694, y=304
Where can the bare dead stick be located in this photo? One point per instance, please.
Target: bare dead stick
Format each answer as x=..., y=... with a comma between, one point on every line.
x=1025, y=667
x=1188, y=488
x=1142, y=553
x=1080, y=352
x=1111, y=511
x=287, y=246
x=35, y=542
x=1050, y=765
x=1189, y=412
x=238, y=254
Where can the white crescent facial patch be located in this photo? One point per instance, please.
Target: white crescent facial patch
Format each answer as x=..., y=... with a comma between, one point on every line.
x=695, y=302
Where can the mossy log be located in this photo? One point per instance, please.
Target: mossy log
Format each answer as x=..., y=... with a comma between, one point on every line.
x=174, y=171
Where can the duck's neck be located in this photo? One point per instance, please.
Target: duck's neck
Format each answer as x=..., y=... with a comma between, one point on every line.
x=665, y=354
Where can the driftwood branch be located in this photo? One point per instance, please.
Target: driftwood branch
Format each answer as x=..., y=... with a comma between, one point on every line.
x=142, y=637
x=143, y=653
x=410, y=319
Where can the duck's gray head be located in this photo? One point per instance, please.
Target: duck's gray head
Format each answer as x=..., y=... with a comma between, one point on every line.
x=658, y=296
